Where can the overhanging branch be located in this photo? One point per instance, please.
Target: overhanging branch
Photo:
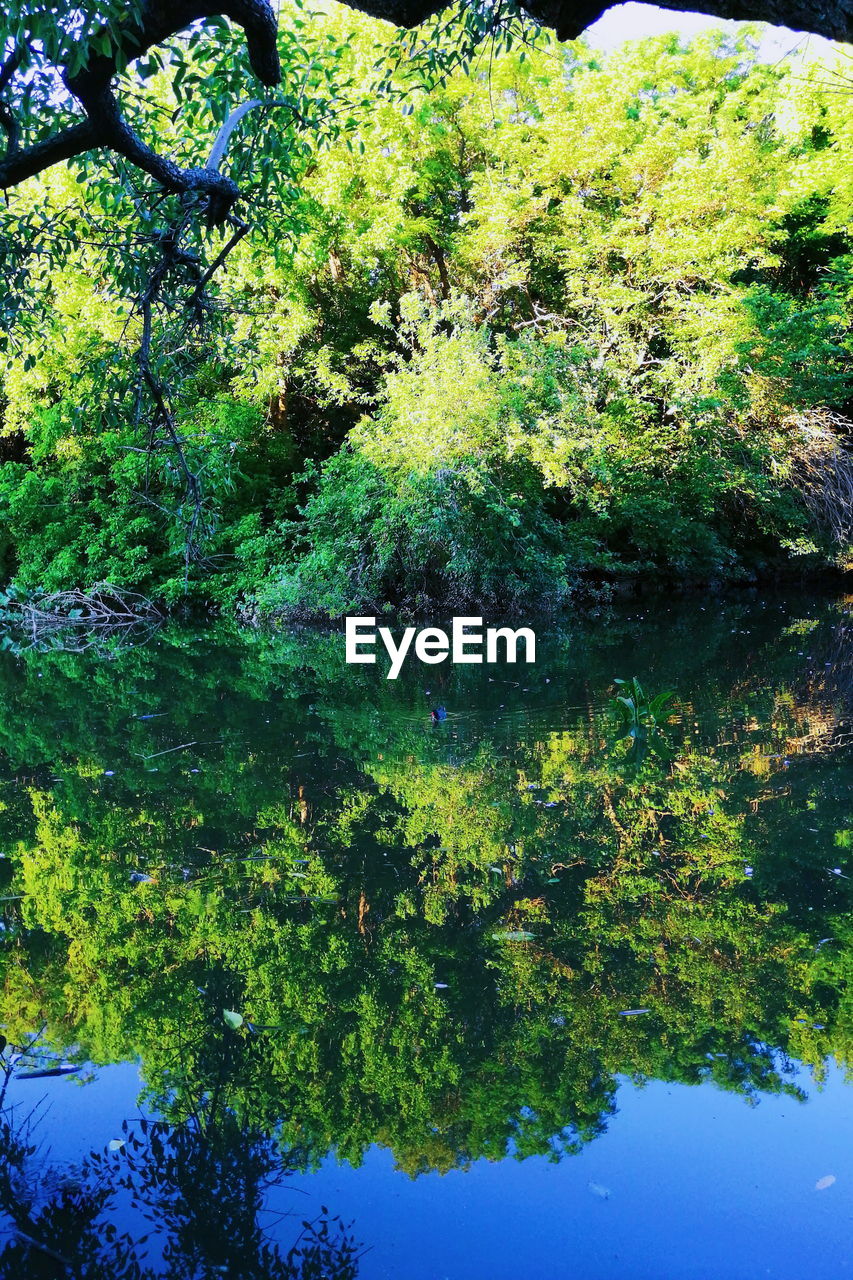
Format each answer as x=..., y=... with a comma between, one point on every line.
x=29, y=161
x=105, y=126
x=569, y=18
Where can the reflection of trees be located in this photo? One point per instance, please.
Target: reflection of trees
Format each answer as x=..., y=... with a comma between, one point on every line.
x=183, y=1201
x=432, y=941
x=820, y=699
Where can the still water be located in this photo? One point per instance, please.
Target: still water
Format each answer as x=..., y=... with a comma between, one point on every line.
x=299, y=982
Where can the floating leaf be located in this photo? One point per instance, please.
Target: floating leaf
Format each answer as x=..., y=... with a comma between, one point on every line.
x=116, y=1144
x=232, y=1019
x=514, y=935
x=823, y=1183
x=632, y=1013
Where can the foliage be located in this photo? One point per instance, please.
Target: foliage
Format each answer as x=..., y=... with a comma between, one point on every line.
x=637, y=716
x=547, y=321
x=440, y=497
x=198, y=1188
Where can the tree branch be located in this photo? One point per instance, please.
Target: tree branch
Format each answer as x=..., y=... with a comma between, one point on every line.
x=569, y=18
x=105, y=126
x=10, y=66
x=833, y=19
x=29, y=161
x=113, y=131
x=9, y=125
x=8, y=121
x=401, y=13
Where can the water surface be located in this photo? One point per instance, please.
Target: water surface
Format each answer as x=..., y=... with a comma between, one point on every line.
x=498, y=995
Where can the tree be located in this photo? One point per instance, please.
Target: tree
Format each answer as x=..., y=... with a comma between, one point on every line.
x=558, y=318
x=60, y=65
x=49, y=42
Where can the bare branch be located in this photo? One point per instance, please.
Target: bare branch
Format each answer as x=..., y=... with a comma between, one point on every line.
x=240, y=230
x=214, y=160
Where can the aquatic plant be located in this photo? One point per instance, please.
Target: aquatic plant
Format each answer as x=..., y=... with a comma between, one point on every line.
x=636, y=713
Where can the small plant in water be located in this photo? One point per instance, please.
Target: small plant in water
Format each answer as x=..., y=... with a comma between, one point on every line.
x=637, y=715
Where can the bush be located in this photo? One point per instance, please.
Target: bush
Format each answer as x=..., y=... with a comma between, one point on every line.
x=500, y=473
x=89, y=505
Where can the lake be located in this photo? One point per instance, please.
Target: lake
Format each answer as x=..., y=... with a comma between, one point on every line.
x=302, y=981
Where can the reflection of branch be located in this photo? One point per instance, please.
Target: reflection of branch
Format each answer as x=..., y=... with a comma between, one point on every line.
x=203, y=1182
x=8, y=1067
x=611, y=814
x=42, y=1247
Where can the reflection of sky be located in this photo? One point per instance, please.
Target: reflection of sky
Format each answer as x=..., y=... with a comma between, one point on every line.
x=633, y=21
x=687, y=1183
x=76, y=1115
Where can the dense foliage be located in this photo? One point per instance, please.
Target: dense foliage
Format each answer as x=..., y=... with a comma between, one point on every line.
x=560, y=320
